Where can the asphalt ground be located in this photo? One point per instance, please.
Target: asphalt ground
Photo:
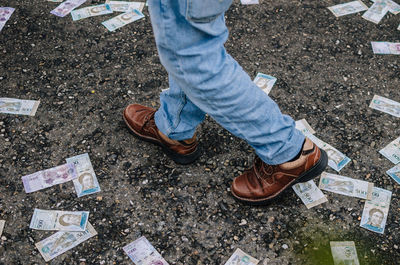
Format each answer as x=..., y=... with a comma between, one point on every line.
x=84, y=76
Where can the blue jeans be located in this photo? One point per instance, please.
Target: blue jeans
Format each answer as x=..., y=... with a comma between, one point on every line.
x=204, y=78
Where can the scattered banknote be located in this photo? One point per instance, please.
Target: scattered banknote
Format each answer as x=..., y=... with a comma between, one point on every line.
x=385, y=105
x=394, y=172
x=59, y=220
x=249, y=2
x=348, y=8
x=86, y=183
x=2, y=223
x=344, y=252
x=309, y=194
x=375, y=211
x=383, y=47
x=240, y=257
x=49, y=177
x=63, y=241
x=392, y=151
x=398, y=28
x=336, y=159
x=376, y=12
x=18, y=106
x=5, y=14
x=142, y=252
x=346, y=186
x=304, y=127
x=265, y=82
x=124, y=6
x=91, y=11
x=394, y=8
x=66, y=7
x=122, y=20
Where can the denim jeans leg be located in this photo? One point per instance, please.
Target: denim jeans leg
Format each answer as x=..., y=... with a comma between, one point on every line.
x=193, y=53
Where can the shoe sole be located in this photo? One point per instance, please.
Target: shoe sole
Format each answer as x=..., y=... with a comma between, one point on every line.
x=178, y=158
x=310, y=174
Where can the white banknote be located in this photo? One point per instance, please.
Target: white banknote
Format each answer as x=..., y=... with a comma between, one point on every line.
x=122, y=20
x=346, y=186
x=66, y=7
x=348, y=8
x=265, y=82
x=2, y=223
x=383, y=47
x=49, y=177
x=385, y=105
x=394, y=172
x=124, y=6
x=142, y=252
x=86, y=183
x=18, y=106
x=59, y=220
x=91, y=11
x=304, y=127
x=5, y=14
x=376, y=210
x=240, y=257
x=63, y=241
x=392, y=151
x=376, y=12
x=394, y=8
x=249, y=2
x=344, y=253
x=336, y=159
x=309, y=194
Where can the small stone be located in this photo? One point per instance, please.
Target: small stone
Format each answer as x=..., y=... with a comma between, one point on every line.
x=243, y=222
x=284, y=246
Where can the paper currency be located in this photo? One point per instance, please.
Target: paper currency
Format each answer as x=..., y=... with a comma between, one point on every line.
x=249, y=2
x=124, y=6
x=336, y=159
x=2, y=223
x=394, y=172
x=265, y=82
x=142, y=252
x=86, y=183
x=348, y=8
x=91, y=11
x=376, y=12
x=62, y=241
x=344, y=253
x=385, y=105
x=346, y=186
x=304, y=127
x=66, y=7
x=122, y=20
x=59, y=220
x=309, y=194
x=392, y=151
x=49, y=177
x=5, y=14
x=375, y=211
x=240, y=257
x=18, y=106
x=383, y=47
x=394, y=8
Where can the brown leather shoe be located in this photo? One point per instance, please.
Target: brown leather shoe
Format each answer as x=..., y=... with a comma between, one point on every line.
x=140, y=120
x=263, y=182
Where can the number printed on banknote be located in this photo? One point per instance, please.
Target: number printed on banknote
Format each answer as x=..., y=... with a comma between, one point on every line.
x=49, y=177
x=124, y=6
x=344, y=253
x=304, y=127
x=86, y=183
x=59, y=220
x=5, y=14
x=346, y=186
x=376, y=210
x=392, y=151
x=66, y=7
x=63, y=241
x=394, y=172
x=385, y=105
x=91, y=11
x=142, y=252
x=18, y=106
x=376, y=12
x=2, y=223
x=122, y=20
x=309, y=194
x=336, y=159
x=348, y=8
x=240, y=257
x=265, y=82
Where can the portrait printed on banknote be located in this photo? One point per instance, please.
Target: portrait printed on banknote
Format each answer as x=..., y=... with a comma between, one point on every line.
x=375, y=220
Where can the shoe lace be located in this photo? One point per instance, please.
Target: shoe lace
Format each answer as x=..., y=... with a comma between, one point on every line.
x=149, y=118
x=263, y=171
